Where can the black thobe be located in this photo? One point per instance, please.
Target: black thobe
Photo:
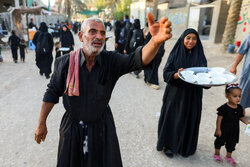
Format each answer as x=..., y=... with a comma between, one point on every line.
x=178, y=127
x=44, y=61
x=14, y=43
x=22, y=50
x=91, y=107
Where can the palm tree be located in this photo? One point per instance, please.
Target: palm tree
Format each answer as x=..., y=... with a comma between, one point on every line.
x=231, y=24
x=68, y=5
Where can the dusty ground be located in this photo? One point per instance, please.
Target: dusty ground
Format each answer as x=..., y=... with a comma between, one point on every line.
x=135, y=107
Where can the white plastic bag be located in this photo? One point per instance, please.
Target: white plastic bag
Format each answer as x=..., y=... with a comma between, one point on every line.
x=247, y=131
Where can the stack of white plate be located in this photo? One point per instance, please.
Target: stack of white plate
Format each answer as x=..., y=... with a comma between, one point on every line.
x=207, y=76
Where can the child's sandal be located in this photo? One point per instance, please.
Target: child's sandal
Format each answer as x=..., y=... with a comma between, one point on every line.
x=231, y=161
x=217, y=158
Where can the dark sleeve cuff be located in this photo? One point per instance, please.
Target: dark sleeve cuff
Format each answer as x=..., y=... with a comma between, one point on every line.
x=138, y=58
x=169, y=77
x=50, y=98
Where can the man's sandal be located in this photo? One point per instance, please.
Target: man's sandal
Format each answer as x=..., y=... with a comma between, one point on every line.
x=231, y=161
x=217, y=158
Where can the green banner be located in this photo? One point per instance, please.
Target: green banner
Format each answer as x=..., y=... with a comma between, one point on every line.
x=30, y=2
x=48, y=5
x=89, y=12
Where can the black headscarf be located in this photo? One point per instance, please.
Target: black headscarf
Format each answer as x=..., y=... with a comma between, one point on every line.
x=137, y=24
x=43, y=27
x=66, y=27
x=180, y=56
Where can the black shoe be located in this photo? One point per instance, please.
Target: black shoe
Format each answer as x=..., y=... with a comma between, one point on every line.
x=41, y=73
x=169, y=153
x=47, y=76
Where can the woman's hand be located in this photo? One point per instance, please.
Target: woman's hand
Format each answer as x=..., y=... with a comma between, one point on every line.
x=176, y=76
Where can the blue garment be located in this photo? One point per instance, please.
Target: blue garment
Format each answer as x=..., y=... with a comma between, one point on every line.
x=1, y=32
x=126, y=20
x=245, y=76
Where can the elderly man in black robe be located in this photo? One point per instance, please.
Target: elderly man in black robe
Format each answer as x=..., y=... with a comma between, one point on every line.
x=87, y=132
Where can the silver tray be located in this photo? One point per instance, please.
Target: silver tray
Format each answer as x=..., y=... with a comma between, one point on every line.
x=63, y=49
x=206, y=70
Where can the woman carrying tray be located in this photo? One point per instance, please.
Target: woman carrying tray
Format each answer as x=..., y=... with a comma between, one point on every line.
x=179, y=121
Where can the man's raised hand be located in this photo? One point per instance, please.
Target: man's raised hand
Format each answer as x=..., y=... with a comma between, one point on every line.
x=160, y=31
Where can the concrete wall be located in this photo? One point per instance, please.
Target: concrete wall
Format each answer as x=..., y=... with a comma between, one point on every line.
x=178, y=17
x=243, y=28
x=219, y=19
x=193, y=20
x=139, y=11
x=49, y=19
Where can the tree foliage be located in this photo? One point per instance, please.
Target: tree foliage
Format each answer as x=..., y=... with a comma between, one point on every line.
x=102, y=4
x=122, y=9
x=119, y=9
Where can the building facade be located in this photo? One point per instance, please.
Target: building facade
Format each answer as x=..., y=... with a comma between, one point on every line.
x=243, y=27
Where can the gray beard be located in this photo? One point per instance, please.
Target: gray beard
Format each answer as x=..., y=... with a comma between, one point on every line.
x=91, y=50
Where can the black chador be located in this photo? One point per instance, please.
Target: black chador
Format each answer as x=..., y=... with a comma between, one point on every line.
x=179, y=121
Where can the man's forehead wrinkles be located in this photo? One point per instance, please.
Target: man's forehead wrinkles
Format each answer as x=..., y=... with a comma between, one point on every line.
x=96, y=25
x=92, y=29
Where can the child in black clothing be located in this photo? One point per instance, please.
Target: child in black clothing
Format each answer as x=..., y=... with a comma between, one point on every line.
x=227, y=125
x=23, y=48
x=14, y=43
x=58, y=52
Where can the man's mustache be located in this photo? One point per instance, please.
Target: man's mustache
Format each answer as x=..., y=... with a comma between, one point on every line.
x=97, y=40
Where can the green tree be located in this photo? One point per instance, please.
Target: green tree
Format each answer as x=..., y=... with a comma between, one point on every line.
x=102, y=4
x=122, y=9
x=70, y=6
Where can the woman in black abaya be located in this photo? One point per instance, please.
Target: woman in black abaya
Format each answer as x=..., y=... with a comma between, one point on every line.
x=44, y=60
x=178, y=127
x=151, y=72
x=66, y=39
